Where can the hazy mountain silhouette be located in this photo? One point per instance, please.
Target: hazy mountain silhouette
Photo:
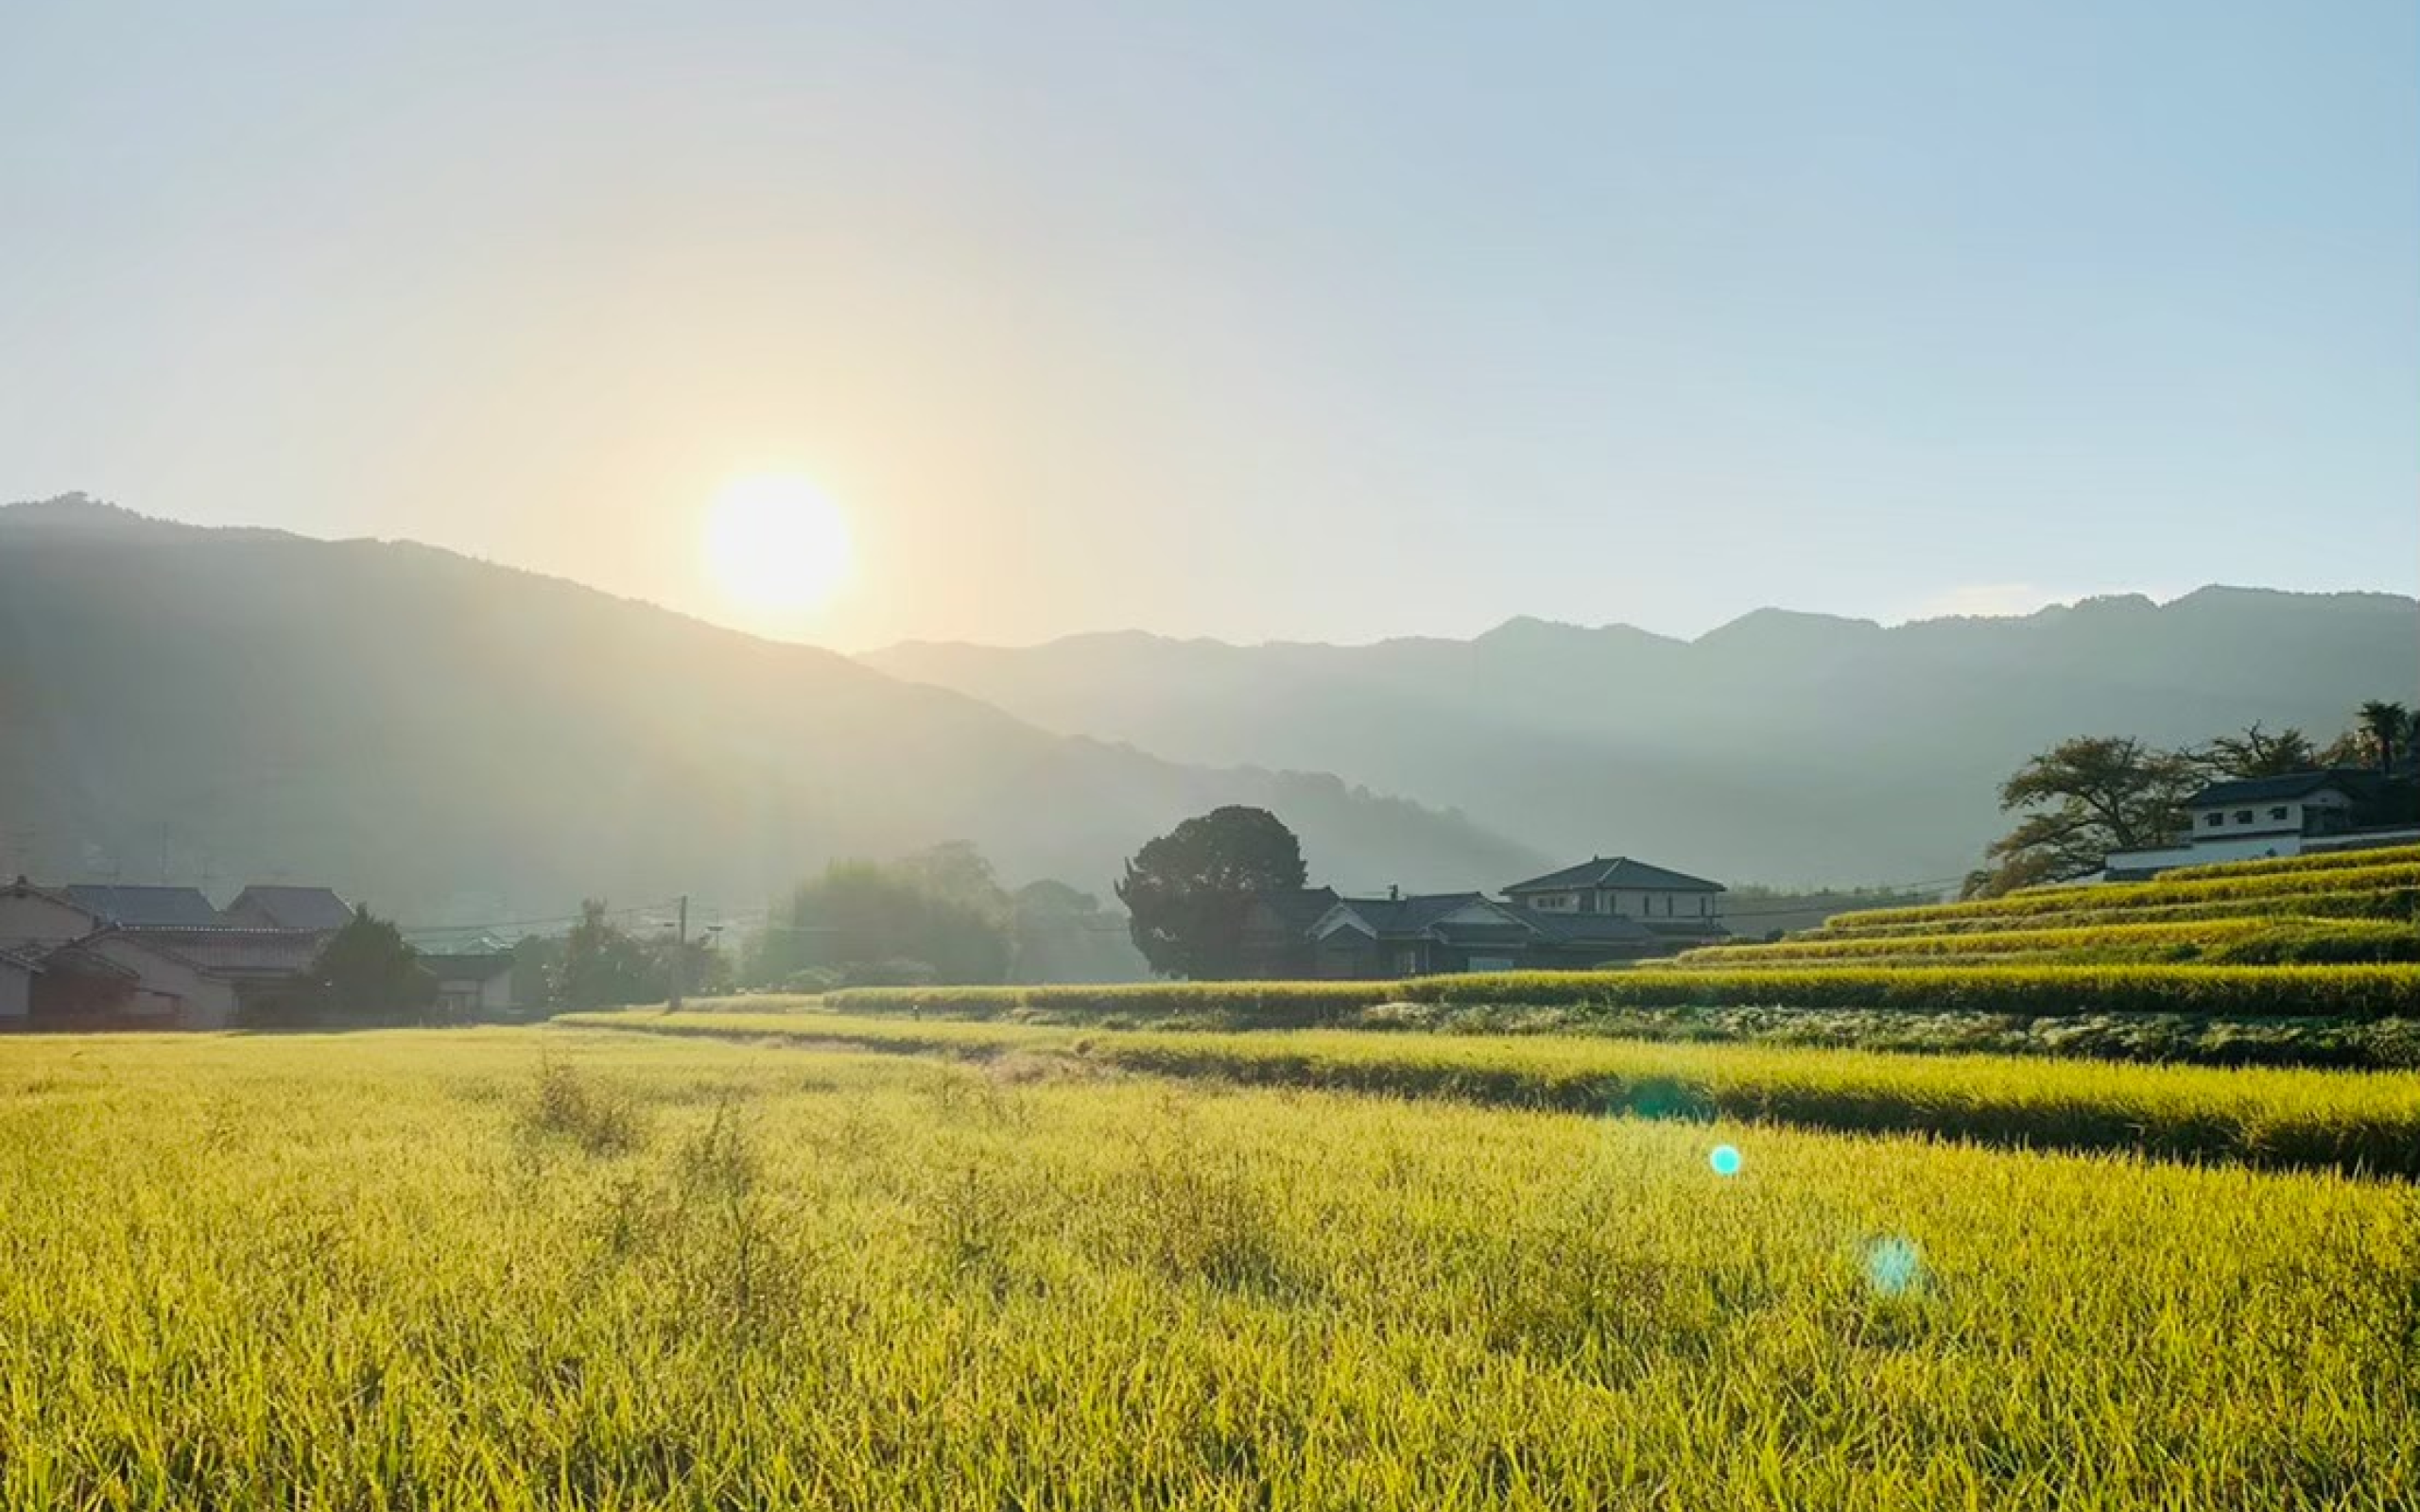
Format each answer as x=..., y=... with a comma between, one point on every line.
x=450, y=739
x=1782, y=746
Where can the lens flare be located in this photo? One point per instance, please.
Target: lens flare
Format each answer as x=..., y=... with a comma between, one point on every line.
x=1893, y=1264
x=1724, y=1160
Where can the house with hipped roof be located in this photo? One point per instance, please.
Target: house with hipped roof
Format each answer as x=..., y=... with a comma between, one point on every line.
x=1598, y=912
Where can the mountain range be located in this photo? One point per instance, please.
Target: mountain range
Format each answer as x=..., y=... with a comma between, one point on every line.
x=456, y=742
x=1781, y=747
x=459, y=742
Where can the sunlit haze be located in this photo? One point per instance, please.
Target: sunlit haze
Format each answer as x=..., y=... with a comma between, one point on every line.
x=1258, y=322
x=777, y=546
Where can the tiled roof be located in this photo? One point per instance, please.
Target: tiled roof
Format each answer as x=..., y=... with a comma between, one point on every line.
x=1583, y=929
x=1297, y=908
x=294, y=907
x=116, y=905
x=1615, y=871
x=1409, y=914
x=2270, y=789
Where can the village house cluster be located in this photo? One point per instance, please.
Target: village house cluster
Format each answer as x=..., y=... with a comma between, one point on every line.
x=1602, y=910
x=90, y=954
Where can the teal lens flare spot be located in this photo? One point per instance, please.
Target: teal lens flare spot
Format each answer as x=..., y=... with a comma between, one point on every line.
x=1893, y=1265
x=1725, y=1159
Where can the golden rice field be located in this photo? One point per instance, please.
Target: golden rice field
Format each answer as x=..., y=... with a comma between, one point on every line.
x=2358, y=1122
x=562, y=1268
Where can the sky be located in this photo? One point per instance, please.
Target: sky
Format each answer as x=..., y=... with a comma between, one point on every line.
x=1279, y=321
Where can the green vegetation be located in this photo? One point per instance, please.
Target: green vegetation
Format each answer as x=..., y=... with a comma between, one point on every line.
x=1187, y=891
x=2093, y=795
x=599, y=964
x=2082, y=799
x=2261, y=1117
x=2316, y=963
x=525, y=1268
x=365, y=973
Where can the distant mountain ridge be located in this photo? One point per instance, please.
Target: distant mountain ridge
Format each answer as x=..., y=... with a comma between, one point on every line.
x=459, y=742
x=1782, y=746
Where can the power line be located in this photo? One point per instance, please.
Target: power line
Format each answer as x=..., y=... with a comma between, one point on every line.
x=664, y=907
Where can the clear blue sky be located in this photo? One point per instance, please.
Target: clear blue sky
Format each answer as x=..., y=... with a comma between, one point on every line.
x=1248, y=320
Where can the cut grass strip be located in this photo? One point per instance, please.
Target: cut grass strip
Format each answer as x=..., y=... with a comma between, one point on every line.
x=2320, y=1120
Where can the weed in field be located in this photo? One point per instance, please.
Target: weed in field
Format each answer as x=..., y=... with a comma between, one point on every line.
x=565, y=1103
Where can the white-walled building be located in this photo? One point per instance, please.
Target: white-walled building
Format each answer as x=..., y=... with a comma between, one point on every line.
x=2251, y=817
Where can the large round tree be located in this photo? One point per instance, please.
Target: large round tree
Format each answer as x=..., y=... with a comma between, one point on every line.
x=1186, y=891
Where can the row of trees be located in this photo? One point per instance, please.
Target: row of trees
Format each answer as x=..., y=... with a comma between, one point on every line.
x=940, y=915
x=367, y=972
x=601, y=965
x=2087, y=796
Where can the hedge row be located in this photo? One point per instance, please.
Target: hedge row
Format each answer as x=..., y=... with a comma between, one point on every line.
x=2261, y=1117
x=2239, y=991
x=2321, y=861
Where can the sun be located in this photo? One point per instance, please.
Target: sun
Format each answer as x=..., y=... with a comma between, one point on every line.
x=777, y=545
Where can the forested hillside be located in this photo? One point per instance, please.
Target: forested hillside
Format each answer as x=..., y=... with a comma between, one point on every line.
x=451, y=740
x=1781, y=747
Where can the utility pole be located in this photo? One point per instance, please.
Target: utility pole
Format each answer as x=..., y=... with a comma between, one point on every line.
x=680, y=955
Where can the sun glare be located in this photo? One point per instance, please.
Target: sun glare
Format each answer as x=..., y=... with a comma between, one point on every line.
x=777, y=545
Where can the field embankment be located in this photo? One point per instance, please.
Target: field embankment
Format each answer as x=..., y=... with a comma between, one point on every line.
x=2359, y=1124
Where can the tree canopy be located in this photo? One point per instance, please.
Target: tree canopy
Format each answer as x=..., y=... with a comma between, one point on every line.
x=2387, y=727
x=367, y=970
x=2087, y=796
x=2257, y=753
x=938, y=916
x=2084, y=797
x=1186, y=891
